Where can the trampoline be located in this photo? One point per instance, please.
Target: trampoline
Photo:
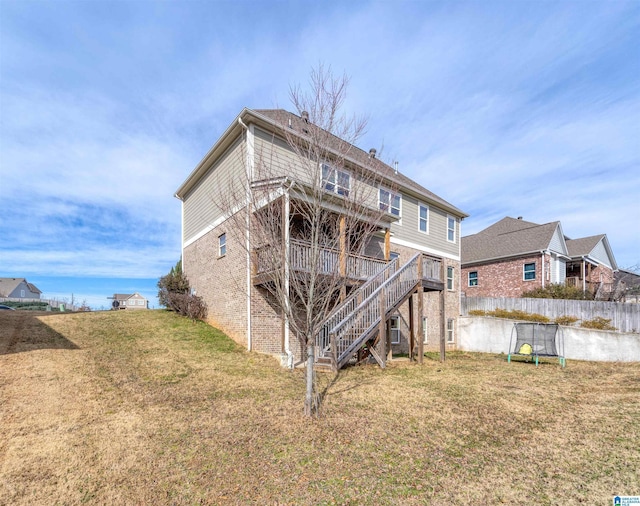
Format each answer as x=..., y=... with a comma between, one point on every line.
x=535, y=340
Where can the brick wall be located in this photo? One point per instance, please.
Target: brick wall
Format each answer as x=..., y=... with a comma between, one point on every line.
x=504, y=279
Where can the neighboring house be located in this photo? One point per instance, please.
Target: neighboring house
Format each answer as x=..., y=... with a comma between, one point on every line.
x=18, y=288
x=129, y=301
x=514, y=256
x=232, y=281
x=627, y=283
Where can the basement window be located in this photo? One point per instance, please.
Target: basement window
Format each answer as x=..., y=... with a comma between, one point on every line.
x=394, y=322
x=450, y=330
x=473, y=278
x=449, y=278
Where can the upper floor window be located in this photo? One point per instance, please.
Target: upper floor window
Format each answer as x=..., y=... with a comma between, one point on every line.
x=335, y=180
x=390, y=202
x=222, y=245
x=423, y=218
x=529, y=271
x=473, y=278
x=451, y=229
x=449, y=278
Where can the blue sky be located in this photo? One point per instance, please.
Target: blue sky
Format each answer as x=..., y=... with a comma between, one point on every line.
x=510, y=108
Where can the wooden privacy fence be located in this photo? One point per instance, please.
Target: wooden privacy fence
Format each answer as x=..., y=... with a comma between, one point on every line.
x=624, y=317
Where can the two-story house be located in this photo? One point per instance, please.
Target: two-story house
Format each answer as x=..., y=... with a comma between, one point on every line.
x=513, y=256
x=402, y=276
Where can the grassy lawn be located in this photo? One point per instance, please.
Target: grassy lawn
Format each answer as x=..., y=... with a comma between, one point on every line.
x=147, y=408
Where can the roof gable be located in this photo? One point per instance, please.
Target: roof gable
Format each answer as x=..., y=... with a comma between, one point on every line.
x=512, y=237
x=595, y=248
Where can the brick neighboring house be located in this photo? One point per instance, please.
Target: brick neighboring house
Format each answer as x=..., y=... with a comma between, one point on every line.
x=129, y=301
x=18, y=288
x=419, y=229
x=513, y=256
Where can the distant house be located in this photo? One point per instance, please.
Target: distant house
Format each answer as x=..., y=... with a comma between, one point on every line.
x=513, y=256
x=129, y=301
x=18, y=288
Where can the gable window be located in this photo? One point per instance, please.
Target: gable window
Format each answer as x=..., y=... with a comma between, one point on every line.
x=22, y=294
x=450, y=330
x=473, y=278
x=529, y=271
x=336, y=181
x=449, y=278
x=222, y=245
x=423, y=218
x=394, y=322
x=451, y=229
x=390, y=202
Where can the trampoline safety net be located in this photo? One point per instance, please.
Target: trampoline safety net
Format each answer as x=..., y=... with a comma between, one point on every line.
x=537, y=340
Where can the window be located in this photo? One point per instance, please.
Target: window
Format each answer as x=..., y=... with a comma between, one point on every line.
x=393, y=255
x=529, y=271
x=222, y=245
x=22, y=294
x=473, y=278
x=390, y=202
x=140, y=302
x=449, y=278
x=394, y=322
x=450, y=330
x=423, y=218
x=336, y=181
x=424, y=329
x=451, y=229
x=132, y=302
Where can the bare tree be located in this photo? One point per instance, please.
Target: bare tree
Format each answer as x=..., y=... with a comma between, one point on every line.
x=310, y=210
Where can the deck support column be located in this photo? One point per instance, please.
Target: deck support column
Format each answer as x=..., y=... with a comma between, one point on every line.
x=382, y=329
x=343, y=257
x=443, y=327
x=420, y=327
x=387, y=244
x=412, y=328
x=286, y=266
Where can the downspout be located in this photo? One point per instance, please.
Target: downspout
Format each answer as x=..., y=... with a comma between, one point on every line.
x=287, y=244
x=542, y=252
x=249, y=164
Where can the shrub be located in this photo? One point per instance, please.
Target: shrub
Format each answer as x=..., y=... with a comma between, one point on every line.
x=558, y=291
x=565, y=320
x=598, y=323
x=477, y=312
x=513, y=314
x=188, y=305
x=174, y=293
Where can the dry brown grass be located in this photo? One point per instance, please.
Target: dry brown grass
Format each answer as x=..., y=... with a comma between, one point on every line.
x=148, y=408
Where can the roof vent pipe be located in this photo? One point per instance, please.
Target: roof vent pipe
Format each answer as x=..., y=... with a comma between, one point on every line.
x=395, y=165
x=519, y=217
x=305, y=116
x=372, y=153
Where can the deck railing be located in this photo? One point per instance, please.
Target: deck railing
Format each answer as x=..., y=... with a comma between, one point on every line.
x=327, y=260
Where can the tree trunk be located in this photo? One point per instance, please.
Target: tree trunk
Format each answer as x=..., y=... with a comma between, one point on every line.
x=308, y=400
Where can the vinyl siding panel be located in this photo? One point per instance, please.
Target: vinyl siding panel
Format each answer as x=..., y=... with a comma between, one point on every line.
x=274, y=158
x=557, y=243
x=408, y=229
x=600, y=254
x=202, y=206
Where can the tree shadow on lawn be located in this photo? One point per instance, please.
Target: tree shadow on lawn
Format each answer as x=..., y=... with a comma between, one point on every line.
x=22, y=331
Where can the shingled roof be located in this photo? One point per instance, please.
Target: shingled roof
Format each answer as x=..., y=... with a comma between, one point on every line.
x=582, y=246
x=285, y=119
x=509, y=237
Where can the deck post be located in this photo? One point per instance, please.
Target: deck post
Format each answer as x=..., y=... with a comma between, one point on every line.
x=443, y=327
x=382, y=330
x=387, y=244
x=420, y=327
x=334, y=352
x=343, y=257
x=412, y=328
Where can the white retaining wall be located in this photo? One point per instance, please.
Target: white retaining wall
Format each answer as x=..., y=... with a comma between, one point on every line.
x=492, y=335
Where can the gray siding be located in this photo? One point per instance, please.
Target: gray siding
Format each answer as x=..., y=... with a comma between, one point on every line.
x=557, y=243
x=600, y=254
x=275, y=158
x=202, y=205
x=436, y=239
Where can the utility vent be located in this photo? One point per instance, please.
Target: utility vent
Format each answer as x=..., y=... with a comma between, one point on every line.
x=519, y=217
x=395, y=167
x=372, y=153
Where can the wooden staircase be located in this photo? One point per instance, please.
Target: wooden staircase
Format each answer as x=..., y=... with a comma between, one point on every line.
x=362, y=316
